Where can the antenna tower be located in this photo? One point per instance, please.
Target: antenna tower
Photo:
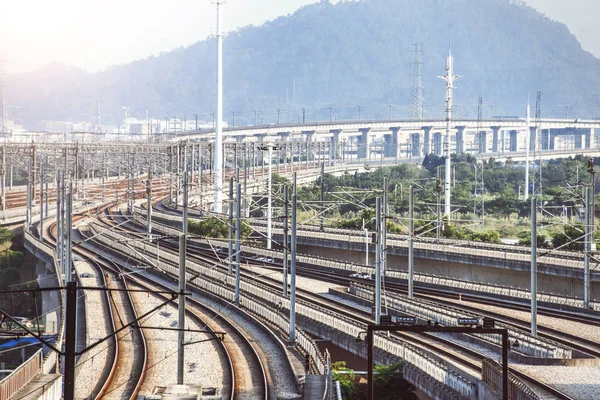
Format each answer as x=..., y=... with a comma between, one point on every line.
x=537, y=154
x=3, y=107
x=417, y=92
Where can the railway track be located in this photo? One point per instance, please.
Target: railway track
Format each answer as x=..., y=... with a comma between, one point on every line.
x=130, y=349
x=245, y=365
x=459, y=354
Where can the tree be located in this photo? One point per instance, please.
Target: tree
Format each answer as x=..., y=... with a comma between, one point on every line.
x=215, y=228
x=567, y=237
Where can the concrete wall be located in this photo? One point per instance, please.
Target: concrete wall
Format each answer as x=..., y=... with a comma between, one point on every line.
x=469, y=272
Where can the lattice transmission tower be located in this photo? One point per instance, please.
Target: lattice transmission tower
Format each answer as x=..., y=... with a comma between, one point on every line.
x=417, y=92
x=3, y=107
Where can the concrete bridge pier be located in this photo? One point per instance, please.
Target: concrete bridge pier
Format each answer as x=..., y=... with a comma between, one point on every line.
x=495, y=138
x=309, y=138
x=482, y=136
x=502, y=141
x=533, y=138
x=415, y=144
x=460, y=139
x=364, y=144
x=392, y=143
x=513, y=144
x=437, y=143
x=590, y=139
x=426, y=139
x=336, y=144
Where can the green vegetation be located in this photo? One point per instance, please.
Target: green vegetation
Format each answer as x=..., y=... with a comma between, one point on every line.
x=215, y=228
x=350, y=200
x=389, y=383
x=5, y=236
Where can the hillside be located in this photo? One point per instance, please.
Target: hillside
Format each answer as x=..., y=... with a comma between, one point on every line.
x=343, y=55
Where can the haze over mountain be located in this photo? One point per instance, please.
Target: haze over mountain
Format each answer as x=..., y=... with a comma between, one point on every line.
x=341, y=55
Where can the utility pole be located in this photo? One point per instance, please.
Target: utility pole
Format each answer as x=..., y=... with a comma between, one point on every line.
x=384, y=227
x=321, y=209
x=449, y=79
x=286, y=205
x=181, y=305
x=377, y=260
x=438, y=220
x=293, y=265
x=527, y=137
x=149, y=203
x=411, y=229
x=269, y=197
x=533, y=266
x=303, y=115
x=230, y=241
x=218, y=162
x=69, y=229
x=589, y=245
x=238, y=232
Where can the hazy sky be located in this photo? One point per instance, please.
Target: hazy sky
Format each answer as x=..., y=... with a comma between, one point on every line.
x=95, y=34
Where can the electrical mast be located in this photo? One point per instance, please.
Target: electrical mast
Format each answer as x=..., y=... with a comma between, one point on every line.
x=537, y=171
x=417, y=92
x=449, y=78
x=527, y=136
x=218, y=150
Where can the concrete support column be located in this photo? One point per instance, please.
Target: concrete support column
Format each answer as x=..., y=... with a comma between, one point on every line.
x=336, y=144
x=437, y=143
x=426, y=139
x=394, y=147
x=460, y=139
x=502, y=141
x=416, y=144
x=589, y=138
x=260, y=138
x=545, y=139
x=364, y=144
x=309, y=138
x=533, y=138
x=513, y=141
x=495, y=138
x=482, y=142
x=283, y=136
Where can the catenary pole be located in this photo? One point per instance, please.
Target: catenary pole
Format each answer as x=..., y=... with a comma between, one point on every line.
x=533, y=267
x=218, y=158
x=293, y=265
x=182, y=266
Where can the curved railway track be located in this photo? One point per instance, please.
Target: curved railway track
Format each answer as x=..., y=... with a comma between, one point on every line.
x=460, y=354
x=130, y=350
x=245, y=365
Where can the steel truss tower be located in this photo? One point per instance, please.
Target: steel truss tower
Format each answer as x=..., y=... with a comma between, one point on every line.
x=417, y=91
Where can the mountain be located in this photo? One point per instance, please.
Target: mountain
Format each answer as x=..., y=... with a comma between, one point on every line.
x=341, y=55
